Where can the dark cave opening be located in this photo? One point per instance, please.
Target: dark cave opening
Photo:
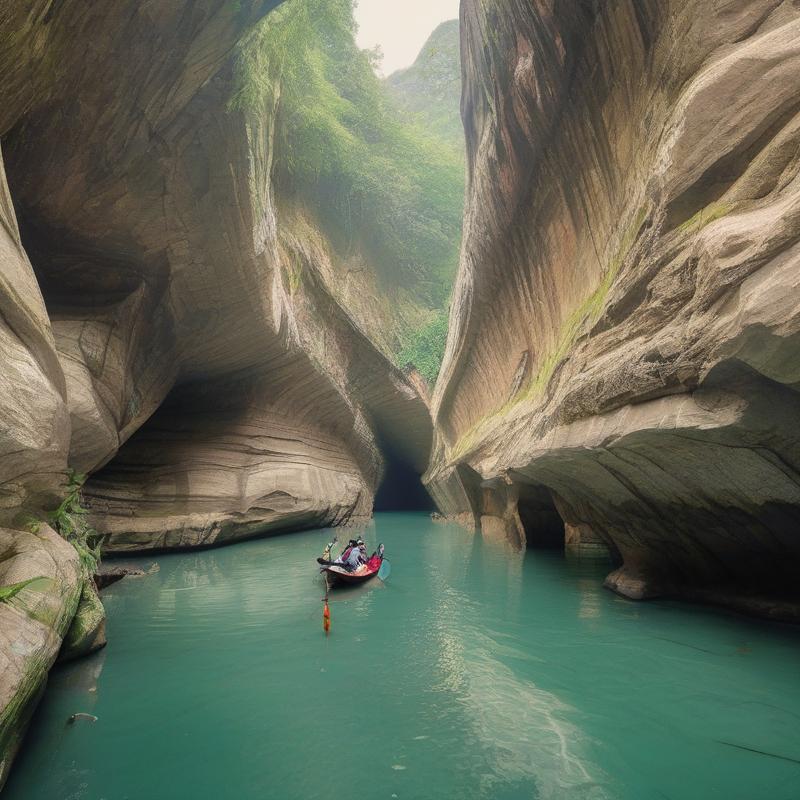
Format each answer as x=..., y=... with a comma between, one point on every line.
x=544, y=527
x=401, y=488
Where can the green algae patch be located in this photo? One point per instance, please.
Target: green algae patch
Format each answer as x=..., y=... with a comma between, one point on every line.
x=7, y=593
x=585, y=315
x=17, y=713
x=582, y=318
x=293, y=269
x=705, y=216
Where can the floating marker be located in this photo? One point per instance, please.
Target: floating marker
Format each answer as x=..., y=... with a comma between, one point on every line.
x=326, y=617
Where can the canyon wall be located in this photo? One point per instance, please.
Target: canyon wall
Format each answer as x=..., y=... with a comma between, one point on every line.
x=623, y=356
x=166, y=276
x=166, y=328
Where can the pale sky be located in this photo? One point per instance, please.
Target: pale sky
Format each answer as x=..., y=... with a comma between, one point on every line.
x=400, y=27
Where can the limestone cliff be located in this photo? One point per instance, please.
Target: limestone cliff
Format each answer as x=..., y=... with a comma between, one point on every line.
x=146, y=206
x=623, y=348
x=165, y=326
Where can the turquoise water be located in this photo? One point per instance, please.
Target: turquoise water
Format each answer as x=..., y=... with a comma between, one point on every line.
x=473, y=673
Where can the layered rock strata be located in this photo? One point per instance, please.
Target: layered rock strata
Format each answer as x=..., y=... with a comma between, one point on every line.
x=152, y=223
x=155, y=332
x=625, y=325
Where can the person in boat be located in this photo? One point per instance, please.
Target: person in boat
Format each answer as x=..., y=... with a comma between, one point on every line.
x=351, y=558
x=345, y=554
x=345, y=558
x=356, y=557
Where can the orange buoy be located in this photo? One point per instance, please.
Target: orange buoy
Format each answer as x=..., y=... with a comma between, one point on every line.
x=326, y=618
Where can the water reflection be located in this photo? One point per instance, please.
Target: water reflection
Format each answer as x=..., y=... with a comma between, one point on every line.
x=523, y=731
x=590, y=606
x=82, y=679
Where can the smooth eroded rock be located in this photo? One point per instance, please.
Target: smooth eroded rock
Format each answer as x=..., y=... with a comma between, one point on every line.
x=626, y=320
x=32, y=624
x=87, y=631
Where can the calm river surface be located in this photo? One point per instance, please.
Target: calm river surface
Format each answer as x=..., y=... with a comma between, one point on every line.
x=473, y=673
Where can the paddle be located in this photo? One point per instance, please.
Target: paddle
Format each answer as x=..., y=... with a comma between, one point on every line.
x=385, y=570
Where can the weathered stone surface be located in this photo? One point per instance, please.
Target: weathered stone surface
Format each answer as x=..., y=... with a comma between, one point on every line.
x=112, y=389
x=626, y=320
x=34, y=425
x=87, y=631
x=162, y=253
x=32, y=624
x=215, y=465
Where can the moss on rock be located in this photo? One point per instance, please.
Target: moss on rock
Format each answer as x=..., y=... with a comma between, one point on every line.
x=87, y=633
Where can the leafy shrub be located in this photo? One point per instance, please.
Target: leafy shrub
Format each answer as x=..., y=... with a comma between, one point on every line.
x=424, y=348
x=69, y=520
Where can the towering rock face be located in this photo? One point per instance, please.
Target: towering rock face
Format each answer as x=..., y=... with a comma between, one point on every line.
x=156, y=328
x=146, y=207
x=623, y=353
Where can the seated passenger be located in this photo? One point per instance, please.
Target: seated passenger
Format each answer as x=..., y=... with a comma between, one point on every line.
x=345, y=554
x=356, y=557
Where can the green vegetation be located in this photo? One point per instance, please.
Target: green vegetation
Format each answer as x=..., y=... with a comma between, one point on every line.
x=424, y=348
x=711, y=213
x=7, y=592
x=375, y=181
x=69, y=520
x=430, y=88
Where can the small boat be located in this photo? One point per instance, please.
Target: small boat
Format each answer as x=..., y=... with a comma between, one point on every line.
x=338, y=574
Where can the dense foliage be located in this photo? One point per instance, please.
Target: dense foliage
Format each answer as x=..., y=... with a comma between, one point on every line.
x=69, y=520
x=430, y=89
x=424, y=348
x=373, y=178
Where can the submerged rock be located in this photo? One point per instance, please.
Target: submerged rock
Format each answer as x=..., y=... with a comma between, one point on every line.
x=107, y=575
x=625, y=326
x=73, y=718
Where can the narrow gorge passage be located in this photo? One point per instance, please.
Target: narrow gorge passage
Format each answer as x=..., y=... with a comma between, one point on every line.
x=401, y=487
x=511, y=288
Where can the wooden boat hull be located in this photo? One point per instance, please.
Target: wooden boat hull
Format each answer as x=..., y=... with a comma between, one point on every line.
x=340, y=576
